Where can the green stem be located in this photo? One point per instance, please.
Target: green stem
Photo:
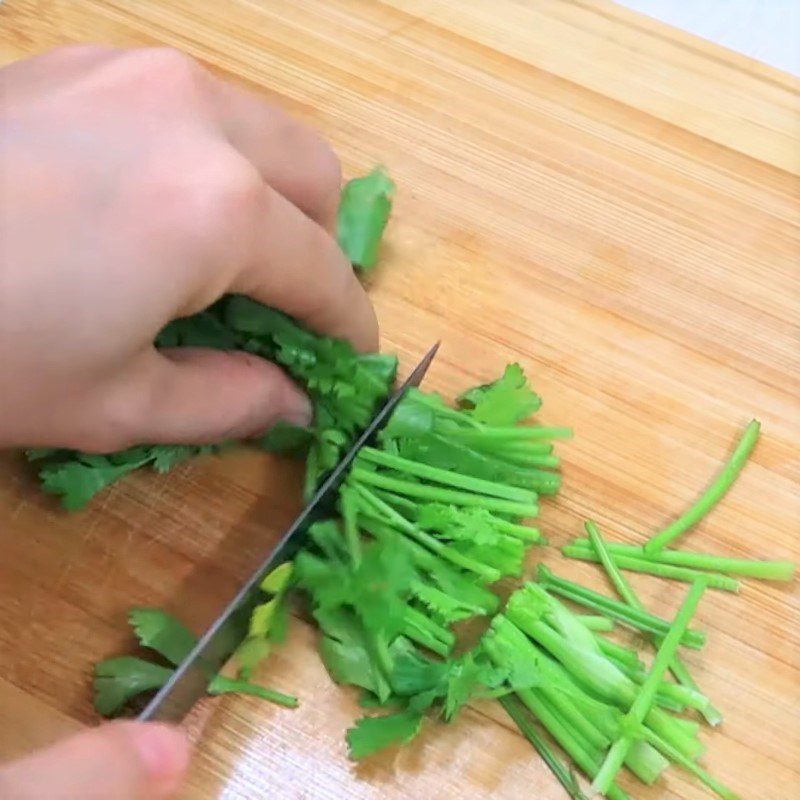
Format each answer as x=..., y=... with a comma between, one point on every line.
x=349, y=506
x=689, y=765
x=597, y=623
x=428, y=633
x=635, y=618
x=223, y=685
x=562, y=772
x=477, y=485
x=648, y=567
x=712, y=495
x=745, y=567
x=514, y=433
x=608, y=556
x=441, y=495
x=644, y=699
x=489, y=574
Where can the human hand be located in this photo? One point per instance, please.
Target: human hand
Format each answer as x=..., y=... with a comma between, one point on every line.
x=137, y=188
x=120, y=760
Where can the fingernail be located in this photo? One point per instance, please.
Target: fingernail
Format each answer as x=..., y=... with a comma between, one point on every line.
x=164, y=752
x=299, y=412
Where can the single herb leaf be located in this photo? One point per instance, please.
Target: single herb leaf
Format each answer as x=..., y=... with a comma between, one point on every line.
x=118, y=680
x=163, y=633
x=372, y=734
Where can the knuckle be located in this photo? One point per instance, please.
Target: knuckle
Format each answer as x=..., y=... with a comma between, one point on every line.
x=167, y=63
x=230, y=195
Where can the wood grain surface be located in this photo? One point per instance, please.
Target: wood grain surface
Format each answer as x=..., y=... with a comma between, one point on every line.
x=608, y=201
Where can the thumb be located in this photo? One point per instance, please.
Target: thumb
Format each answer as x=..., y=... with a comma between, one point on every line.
x=193, y=395
x=123, y=760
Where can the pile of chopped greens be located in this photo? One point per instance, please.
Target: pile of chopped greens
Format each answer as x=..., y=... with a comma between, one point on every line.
x=429, y=519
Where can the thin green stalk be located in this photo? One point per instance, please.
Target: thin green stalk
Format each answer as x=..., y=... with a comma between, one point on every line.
x=625, y=655
x=449, y=477
x=608, y=556
x=712, y=495
x=563, y=773
x=586, y=760
x=646, y=695
x=597, y=623
x=512, y=433
x=349, y=507
x=425, y=631
x=691, y=766
x=744, y=567
x=441, y=495
x=648, y=567
x=489, y=574
x=640, y=620
x=221, y=684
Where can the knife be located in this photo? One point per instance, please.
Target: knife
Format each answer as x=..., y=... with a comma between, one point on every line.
x=191, y=678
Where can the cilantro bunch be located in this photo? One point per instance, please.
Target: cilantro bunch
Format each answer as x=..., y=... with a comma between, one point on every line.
x=345, y=387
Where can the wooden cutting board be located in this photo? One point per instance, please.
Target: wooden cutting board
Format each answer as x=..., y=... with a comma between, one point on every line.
x=610, y=202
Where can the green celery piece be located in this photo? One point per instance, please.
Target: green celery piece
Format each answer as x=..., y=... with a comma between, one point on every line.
x=468, y=460
x=589, y=762
x=388, y=514
x=645, y=565
x=618, y=653
x=597, y=623
x=592, y=670
x=516, y=438
x=222, y=685
x=348, y=504
x=364, y=209
x=690, y=766
x=372, y=734
x=621, y=612
x=606, y=554
x=163, y=633
x=592, y=723
x=712, y=495
x=118, y=680
x=744, y=567
x=643, y=702
x=438, y=494
x=563, y=774
x=505, y=401
x=444, y=476
x=427, y=632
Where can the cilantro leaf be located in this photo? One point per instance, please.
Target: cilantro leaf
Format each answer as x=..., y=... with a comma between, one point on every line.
x=469, y=676
x=163, y=633
x=286, y=439
x=118, y=680
x=77, y=482
x=504, y=401
x=371, y=734
x=364, y=210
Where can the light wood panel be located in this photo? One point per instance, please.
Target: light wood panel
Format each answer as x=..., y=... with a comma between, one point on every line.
x=610, y=202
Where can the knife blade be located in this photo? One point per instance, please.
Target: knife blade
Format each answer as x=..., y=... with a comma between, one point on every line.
x=191, y=678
